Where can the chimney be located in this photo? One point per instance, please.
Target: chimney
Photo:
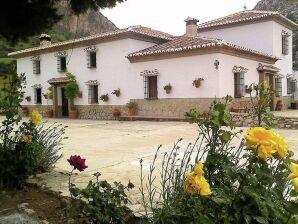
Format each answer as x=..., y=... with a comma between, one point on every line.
x=191, y=26
x=45, y=40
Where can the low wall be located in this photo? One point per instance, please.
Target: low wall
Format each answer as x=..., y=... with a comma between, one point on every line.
x=99, y=112
x=246, y=120
x=172, y=107
x=42, y=109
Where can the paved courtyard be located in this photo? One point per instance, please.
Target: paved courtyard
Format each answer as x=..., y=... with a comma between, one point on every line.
x=114, y=149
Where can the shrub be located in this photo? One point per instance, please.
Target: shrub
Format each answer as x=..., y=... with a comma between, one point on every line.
x=99, y=202
x=213, y=181
x=132, y=105
x=104, y=97
x=167, y=87
x=25, y=148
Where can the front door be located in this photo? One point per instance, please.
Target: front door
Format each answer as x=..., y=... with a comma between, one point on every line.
x=64, y=103
x=269, y=79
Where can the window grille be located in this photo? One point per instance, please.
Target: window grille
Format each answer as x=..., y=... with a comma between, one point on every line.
x=278, y=87
x=36, y=67
x=238, y=85
x=92, y=94
x=285, y=43
x=146, y=87
x=91, y=59
x=61, y=63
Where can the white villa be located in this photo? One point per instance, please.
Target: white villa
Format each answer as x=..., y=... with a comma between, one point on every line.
x=229, y=53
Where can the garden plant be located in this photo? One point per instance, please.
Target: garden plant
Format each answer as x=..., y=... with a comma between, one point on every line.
x=217, y=180
x=26, y=147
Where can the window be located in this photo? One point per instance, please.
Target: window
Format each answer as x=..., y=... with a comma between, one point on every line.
x=61, y=63
x=150, y=87
x=91, y=59
x=238, y=85
x=278, y=87
x=93, y=94
x=36, y=67
x=291, y=85
x=285, y=43
x=37, y=96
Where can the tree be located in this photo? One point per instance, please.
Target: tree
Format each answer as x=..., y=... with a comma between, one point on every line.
x=20, y=19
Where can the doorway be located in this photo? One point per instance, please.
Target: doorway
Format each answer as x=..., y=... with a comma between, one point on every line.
x=269, y=78
x=64, y=103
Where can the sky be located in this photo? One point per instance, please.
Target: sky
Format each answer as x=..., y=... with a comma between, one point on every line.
x=169, y=15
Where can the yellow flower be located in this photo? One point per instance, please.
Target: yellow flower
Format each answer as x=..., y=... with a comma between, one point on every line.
x=27, y=138
x=295, y=183
x=266, y=142
x=199, y=168
x=294, y=171
x=265, y=152
x=35, y=117
x=196, y=184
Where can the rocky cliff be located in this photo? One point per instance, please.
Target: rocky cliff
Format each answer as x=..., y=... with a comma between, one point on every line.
x=89, y=23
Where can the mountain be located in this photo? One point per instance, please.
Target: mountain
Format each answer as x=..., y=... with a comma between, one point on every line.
x=288, y=8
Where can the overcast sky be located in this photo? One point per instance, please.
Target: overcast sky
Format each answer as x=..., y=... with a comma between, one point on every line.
x=169, y=15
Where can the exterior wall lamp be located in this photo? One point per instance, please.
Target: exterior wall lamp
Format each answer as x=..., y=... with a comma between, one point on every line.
x=216, y=64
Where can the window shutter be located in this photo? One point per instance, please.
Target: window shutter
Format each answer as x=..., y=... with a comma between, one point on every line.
x=37, y=67
x=35, y=96
x=89, y=94
x=95, y=92
x=59, y=64
x=34, y=67
x=88, y=59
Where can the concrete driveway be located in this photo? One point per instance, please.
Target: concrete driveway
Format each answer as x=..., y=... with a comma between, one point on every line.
x=114, y=149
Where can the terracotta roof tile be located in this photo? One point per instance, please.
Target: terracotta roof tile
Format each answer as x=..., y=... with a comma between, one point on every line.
x=134, y=30
x=244, y=16
x=187, y=43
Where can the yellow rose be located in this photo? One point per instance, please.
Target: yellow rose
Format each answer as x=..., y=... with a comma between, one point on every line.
x=266, y=142
x=199, y=168
x=196, y=184
x=294, y=171
x=295, y=183
x=35, y=117
x=27, y=138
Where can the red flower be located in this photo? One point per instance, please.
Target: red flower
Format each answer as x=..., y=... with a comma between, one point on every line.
x=77, y=162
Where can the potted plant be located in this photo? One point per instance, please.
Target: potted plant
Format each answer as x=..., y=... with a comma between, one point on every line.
x=197, y=82
x=116, y=92
x=71, y=92
x=132, y=108
x=278, y=105
x=168, y=88
x=50, y=112
x=28, y=98
x=25, y=110
x=80, y=94
x=45, y=95
x=116, y=112
x=104, y=97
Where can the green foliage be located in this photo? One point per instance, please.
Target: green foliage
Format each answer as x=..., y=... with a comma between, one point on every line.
x=50, y=137
x=168, y=86
x=50, y=93
x=99, y=202
x=104, y=97
x=72, y=88
x=34, y=17
x=261, y=103
x=25, y=149
x=132, y=105
x=245, y=188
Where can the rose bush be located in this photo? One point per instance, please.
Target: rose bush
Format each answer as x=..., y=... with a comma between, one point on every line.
x=216, y=181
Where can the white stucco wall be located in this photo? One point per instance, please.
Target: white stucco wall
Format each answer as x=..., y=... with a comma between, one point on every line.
x=264, y=37
x=257, y=36
x=227, y=62
x=180, y=73
x=112, y=71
